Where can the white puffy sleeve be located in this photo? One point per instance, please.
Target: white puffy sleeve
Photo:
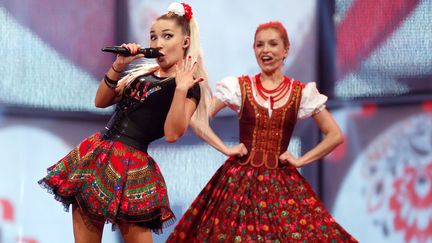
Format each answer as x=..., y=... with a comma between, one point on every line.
x=228, y=91
x=311, y=102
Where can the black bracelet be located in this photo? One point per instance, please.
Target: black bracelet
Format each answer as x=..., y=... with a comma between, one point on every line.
x=112, y=67
x=110, y=83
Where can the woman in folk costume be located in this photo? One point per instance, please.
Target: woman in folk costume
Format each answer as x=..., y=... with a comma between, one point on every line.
x=109, y=177
x=261, y=196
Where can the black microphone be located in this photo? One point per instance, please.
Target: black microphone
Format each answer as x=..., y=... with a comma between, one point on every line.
x=148, y=52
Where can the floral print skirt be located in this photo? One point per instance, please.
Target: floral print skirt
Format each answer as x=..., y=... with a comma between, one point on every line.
x=111, y=182
x=257, y=204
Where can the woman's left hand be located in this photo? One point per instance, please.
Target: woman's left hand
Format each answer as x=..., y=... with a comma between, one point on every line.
x=184, y=74
x=287, y=157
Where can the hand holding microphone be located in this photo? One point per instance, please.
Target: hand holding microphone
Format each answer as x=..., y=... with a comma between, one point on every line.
x=127, y=53
x=123, y=51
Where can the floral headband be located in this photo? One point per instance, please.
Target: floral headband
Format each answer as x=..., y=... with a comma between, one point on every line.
x=181, y=9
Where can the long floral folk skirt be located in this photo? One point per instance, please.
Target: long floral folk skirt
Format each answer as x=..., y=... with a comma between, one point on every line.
x=249, y=204
x=111, y=182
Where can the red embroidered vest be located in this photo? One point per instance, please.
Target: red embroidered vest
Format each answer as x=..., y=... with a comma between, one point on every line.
x=266, y=138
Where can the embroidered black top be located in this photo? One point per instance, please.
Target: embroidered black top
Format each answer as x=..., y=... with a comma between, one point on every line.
x=141, y=113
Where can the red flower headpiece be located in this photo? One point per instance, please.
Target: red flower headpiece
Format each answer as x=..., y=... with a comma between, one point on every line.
x=188, y=11
x=181, y=9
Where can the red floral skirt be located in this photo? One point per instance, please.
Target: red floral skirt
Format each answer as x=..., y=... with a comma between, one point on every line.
x=249, y=204
x=111, y=182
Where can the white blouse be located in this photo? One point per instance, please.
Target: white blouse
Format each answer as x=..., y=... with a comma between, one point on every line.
x=312, y=102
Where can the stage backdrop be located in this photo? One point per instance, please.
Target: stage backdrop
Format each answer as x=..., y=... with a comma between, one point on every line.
x=52, y=54
x=379, y=183
x=383, y=49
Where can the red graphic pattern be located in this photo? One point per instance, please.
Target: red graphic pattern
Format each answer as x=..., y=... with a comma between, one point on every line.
x=407, y=202
x=368, y=23
x=8, y=216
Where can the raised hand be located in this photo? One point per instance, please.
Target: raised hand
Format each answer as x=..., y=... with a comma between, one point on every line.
x=185, y=74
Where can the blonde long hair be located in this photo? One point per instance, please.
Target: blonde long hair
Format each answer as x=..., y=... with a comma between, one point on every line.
x=189, y=27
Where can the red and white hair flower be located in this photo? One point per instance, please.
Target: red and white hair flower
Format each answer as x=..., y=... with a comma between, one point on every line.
x=181, y=9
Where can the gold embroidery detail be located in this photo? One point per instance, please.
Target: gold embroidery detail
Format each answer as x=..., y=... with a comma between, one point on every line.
x=267, y=135
x=111, y=173
x=139, y=173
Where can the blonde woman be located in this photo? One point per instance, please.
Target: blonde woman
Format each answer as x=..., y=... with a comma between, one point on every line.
x=109, y=177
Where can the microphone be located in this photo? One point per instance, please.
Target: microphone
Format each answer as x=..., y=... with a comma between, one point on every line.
x=148, y=52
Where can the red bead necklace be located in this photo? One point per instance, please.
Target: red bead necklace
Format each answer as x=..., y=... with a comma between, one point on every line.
x=275, y=94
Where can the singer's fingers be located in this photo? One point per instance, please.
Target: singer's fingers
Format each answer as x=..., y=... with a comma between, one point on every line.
x=192, y=64
x=198, y=80
x=244, y=150
x=127, y=46
x=133, y=48
x=284, y=158
x=194, y=67
x=137, y=47
x=139, y=56
x=179, y=67
x=185, y=64
x=189, y=63
x=243, y=153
